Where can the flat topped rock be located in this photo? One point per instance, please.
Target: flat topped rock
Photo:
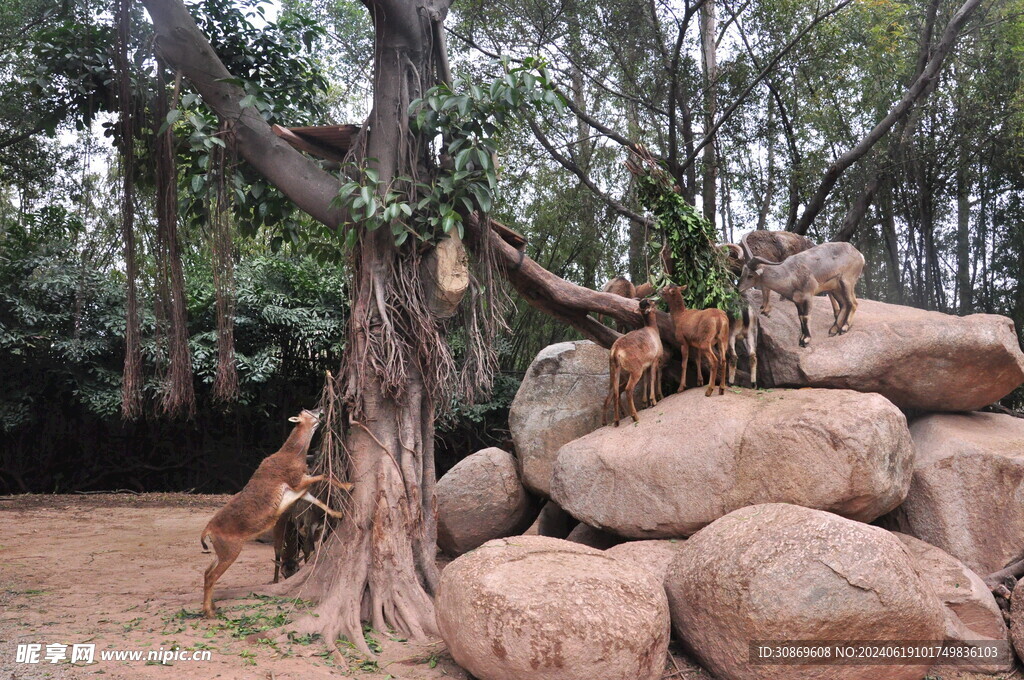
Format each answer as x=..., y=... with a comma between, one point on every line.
x=692, y=459
x=920, y=360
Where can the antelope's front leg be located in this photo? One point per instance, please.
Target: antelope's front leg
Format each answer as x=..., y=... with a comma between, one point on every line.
x=766, y=302
x=804, y=310
x=310, y=498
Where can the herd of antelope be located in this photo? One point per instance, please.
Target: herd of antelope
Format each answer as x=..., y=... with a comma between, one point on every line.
x=783, y=262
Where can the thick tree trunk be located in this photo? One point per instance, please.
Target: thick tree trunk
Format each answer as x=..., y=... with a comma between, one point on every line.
x=379, y=565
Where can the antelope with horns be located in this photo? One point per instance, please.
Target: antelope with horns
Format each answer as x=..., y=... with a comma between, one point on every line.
x=637, y=353
x=832, y=268
x=706, y=331
x=279, y=481
x=774, y=246
x=623, y=287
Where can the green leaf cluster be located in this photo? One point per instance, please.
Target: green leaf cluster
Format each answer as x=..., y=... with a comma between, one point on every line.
x=468, y=119
x=699, y=264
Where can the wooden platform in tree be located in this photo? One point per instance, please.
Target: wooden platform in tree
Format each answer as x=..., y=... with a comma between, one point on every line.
x=330, y=142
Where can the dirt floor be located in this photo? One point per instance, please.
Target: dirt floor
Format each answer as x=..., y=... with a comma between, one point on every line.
x=123, y=573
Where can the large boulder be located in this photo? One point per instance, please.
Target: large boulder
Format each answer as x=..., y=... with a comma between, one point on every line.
x=479, y=499
x=972, y=616
x=779, y=572
x=919, y=360
x=560, y=399
x=654, y=556
x=692, y=459
x=539, y=608
x=966, y=491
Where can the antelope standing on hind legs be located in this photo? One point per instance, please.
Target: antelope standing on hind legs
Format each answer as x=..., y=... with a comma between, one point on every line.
x=279, y=481
x=637, y=352
x=706, y=331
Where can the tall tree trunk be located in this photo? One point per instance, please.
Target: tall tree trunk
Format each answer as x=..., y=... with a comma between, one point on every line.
x=769, y=180
x=379, y=566
x=709, y=55
x=963, y=239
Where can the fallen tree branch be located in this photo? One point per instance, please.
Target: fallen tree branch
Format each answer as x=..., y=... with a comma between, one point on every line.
x=564, y=300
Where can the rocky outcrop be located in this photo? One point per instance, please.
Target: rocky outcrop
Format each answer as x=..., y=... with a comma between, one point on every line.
x=964, y=494
x=781, y=572
x=919, y=360
x=972, y=616
x=479, y=499
x=539, y=608
x=693, y=459
x=560, y=399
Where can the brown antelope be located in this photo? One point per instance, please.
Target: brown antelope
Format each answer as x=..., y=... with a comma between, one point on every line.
x=637, y=353
x=279, y=481
x=706, y=331
x=774, y=246
x=832, y=268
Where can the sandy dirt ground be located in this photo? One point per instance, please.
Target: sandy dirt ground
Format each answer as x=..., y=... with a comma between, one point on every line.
x=124, y=573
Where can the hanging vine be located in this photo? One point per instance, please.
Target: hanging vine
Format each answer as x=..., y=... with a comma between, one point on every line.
x=177, y=392
x=131, y=386
x=225, y=382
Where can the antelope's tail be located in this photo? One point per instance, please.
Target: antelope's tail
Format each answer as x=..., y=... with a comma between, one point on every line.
x=202, y=538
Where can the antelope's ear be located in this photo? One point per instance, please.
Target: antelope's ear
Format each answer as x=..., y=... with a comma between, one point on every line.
x=682, y=288
x=293, y=419
x=759, y=271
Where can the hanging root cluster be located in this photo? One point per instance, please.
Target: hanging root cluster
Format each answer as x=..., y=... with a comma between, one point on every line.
x=225, y=382
x=131, y=386
x=177, y=393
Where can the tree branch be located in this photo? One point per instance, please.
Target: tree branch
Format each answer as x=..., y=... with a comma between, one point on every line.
x=727, y=114
x=919, y=88
x=180, y=42
x=569, y=165
x=558, y=297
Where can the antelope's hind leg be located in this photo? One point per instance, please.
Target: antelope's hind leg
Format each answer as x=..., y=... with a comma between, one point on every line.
x=227, y=552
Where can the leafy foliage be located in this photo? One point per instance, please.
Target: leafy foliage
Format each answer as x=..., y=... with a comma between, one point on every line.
x=698, y=263
x=469, y=119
